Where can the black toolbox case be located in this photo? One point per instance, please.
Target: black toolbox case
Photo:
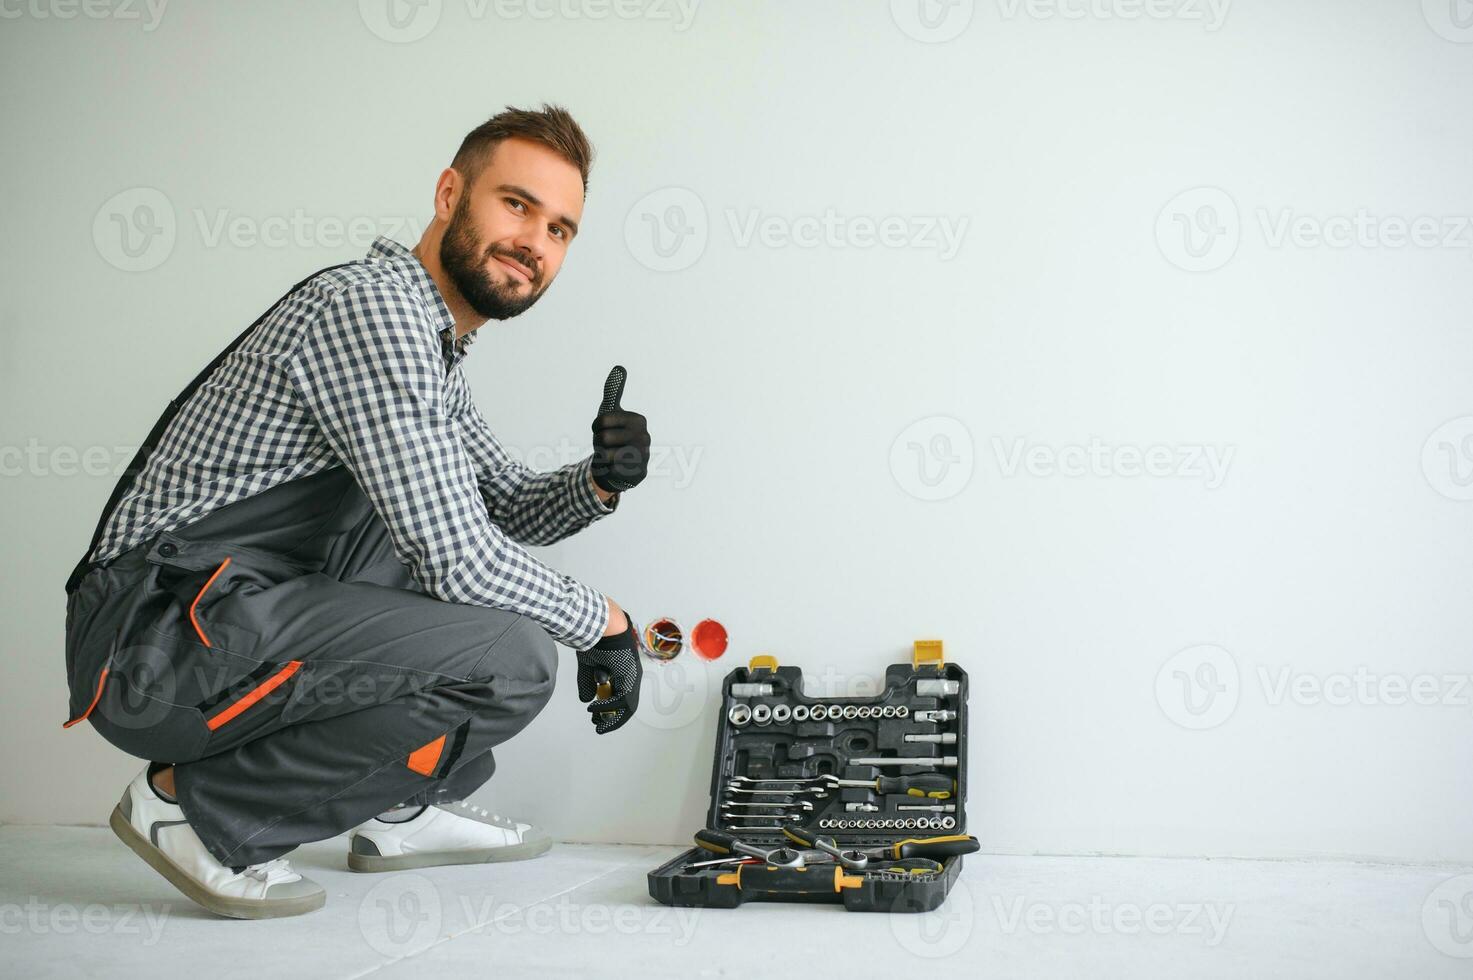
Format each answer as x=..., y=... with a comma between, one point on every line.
x=812, y=748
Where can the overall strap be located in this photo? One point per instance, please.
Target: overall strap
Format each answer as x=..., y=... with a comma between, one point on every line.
x=140, y=459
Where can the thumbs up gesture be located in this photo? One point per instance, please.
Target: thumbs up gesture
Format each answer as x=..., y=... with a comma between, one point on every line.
x=621, y=441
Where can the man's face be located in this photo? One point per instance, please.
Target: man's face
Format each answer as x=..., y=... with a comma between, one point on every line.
x=510, y=231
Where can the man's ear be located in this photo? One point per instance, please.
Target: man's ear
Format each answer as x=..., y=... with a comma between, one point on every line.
x=449, y=183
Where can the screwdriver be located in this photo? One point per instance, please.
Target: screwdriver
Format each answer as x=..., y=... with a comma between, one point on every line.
x=927, y=847
x=934, y=785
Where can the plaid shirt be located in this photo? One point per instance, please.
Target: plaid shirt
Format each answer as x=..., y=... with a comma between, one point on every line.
x=360, y=367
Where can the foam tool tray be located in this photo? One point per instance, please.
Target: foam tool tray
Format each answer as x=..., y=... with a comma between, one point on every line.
x=814, y=800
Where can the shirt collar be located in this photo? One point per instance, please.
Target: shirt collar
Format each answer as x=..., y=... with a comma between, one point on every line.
x=387, y=250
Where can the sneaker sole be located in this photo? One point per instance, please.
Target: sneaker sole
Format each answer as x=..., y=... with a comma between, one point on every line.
x=235, y=908
x=433, y=859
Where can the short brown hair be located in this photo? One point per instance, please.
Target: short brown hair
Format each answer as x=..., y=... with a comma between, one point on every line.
x=552, y=126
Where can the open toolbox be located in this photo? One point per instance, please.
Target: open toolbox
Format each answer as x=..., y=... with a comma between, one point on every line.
x=790, y=768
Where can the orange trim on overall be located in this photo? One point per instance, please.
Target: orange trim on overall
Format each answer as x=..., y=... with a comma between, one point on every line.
x=257, y=693
x=424, y=759
x=202, y=591
x=101, y=680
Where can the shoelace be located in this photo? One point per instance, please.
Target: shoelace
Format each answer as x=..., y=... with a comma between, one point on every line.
x=273, y=872
x=506, y=823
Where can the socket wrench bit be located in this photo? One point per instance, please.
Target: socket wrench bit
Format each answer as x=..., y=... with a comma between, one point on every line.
x=933, y=762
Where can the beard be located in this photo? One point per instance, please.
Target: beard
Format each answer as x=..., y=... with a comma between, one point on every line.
x=463, y=258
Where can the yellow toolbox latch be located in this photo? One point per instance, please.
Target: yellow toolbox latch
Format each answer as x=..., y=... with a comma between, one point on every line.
x=763, y=661
x=927, y=653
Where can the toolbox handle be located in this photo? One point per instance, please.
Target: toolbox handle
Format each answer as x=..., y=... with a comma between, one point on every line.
x=927, y=653
x=763, y=661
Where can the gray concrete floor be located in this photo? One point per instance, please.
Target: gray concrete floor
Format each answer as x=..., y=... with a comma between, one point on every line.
x=75, y=902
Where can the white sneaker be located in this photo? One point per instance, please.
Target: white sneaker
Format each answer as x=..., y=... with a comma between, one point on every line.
x=157, y=832
x=443, y=833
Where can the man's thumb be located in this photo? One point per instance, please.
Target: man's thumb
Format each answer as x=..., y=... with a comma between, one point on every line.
x=613, y=389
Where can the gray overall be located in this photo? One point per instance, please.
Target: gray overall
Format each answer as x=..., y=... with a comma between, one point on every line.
x=279, y=654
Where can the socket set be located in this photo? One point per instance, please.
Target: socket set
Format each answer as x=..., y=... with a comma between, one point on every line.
x=844, y=776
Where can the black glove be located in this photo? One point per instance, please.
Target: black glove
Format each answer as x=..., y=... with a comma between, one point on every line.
x=621, y=440
x=614, y=660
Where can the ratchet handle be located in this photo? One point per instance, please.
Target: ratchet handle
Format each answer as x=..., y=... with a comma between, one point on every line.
x=800, y=835
x=716, y=841
x=935, y=847
x=818, y=879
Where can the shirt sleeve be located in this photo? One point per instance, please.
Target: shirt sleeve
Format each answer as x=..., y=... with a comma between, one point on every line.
x=533, y=508
x=371, y=373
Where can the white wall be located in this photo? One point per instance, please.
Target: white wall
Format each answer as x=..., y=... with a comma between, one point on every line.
x=1331, y=544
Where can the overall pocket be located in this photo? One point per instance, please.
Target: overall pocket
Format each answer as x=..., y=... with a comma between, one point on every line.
x=204, y=580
